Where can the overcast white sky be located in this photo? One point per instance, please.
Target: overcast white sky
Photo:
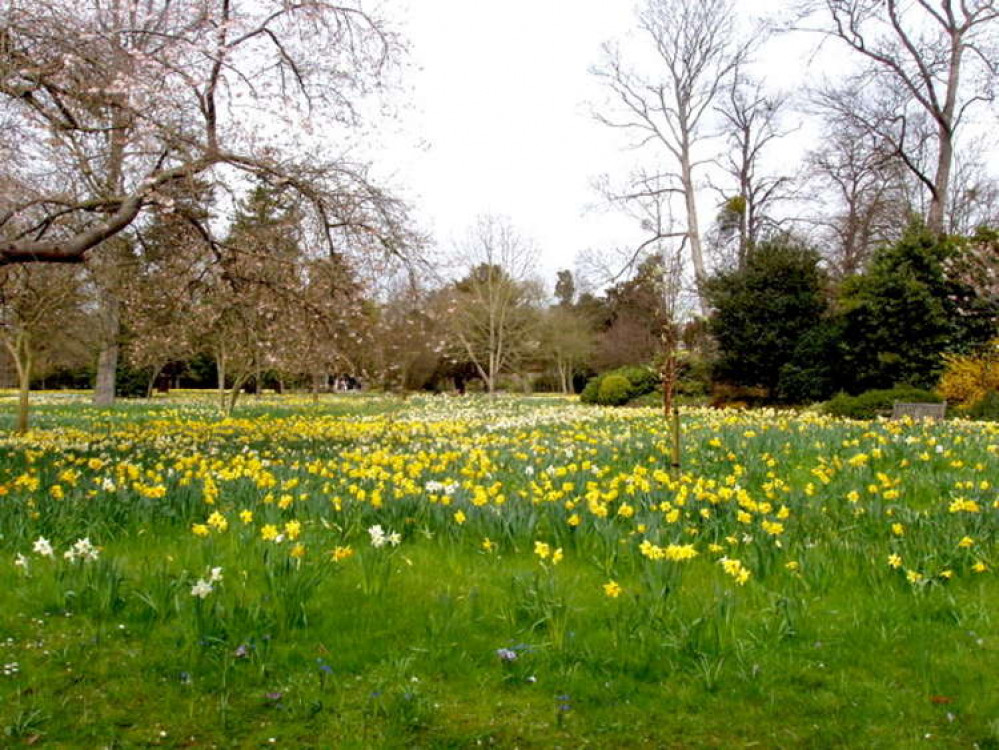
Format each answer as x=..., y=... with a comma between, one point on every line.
x=500, y=120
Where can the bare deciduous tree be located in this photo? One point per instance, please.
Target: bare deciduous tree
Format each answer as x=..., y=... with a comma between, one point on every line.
x=491, y=312
x=109, y=107
x=660, y=286
x=696, y=50
x=407, y=334
x=41, y=315
x=974, y=195
x=566, y=343
x=752, y=121
x=325, y=324
x=860, y=190
x=108, y=104
x=939, y=55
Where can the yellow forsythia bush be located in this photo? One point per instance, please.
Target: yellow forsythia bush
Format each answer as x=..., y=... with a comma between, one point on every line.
x=967, y=378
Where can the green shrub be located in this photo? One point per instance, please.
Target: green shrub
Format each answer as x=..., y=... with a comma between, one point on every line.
x=654, y=400
x=871, y=404
x=640, y=380
x=987, y=407
x=695, y=376
x=615, y=390
x=591, y=391
x=841, y=405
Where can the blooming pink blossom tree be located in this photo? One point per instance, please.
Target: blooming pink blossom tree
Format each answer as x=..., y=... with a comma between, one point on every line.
x=109, y=109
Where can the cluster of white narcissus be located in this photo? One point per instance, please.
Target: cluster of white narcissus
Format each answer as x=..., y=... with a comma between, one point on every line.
x=204, y=586
x=440, y=488
x=379, y=538
x=82, y=550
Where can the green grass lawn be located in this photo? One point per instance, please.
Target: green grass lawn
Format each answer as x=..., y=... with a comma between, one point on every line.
x=803, y=582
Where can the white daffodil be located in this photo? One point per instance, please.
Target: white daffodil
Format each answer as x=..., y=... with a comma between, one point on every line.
x=202, y=589
x=42, y=547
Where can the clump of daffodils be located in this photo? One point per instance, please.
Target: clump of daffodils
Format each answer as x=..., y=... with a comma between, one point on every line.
x=736, y=569
x=545, y=552
x=83, y=551
x=43, y=547
x=205, y=586
x=441, y=488
x=379, y=538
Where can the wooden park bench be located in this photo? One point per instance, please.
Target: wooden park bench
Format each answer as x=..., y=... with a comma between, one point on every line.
x=919, y=411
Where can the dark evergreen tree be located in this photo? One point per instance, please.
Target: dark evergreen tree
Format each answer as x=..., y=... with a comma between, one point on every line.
x=766, y=315
x=900, y=316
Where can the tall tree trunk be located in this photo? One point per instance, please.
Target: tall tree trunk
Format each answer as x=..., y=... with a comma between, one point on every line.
x=745, y=192
x=693, y=228
x=945, y=133
x=567, y=370
x=237, y=385
x=315, y=387
x=220, y=370
x=157, y=369
x=935, y=218
x=24, y=386
x=21, y=352
x=118, y=250
x=107, y=358
x=491, y=380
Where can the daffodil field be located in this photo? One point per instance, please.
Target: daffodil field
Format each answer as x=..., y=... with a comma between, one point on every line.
x=369, y=571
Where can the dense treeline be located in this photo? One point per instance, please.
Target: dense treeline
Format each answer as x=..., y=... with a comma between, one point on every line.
x=782, y=328
x=151, y=237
